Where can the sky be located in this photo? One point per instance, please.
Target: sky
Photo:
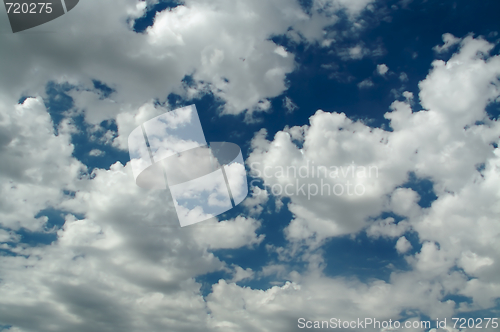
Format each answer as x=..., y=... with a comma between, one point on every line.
x=370, y=135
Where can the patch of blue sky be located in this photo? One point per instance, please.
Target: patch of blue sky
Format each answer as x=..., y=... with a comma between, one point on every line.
x=493, y=109
x=105, y=90
x=34, y=239
x=55, y=221
x=83, y=146
x=58, y=103
x=209, y=279
x=457, y=299
x=364, y=258
x=55, y=218
x=142, y=23
x=423, y=187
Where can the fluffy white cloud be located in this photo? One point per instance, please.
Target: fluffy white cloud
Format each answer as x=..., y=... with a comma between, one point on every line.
x=382, y=69
x=403, y=245
x=227, y=234
x=36, y=166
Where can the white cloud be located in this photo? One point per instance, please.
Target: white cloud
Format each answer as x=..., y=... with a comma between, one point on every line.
x=96, y=153
x=228, y=234
x=382, y=69
x=387, y=227
x=449, y=41
x=36, y=165
x=289, y=105
x=367, y=83
x=403, y=245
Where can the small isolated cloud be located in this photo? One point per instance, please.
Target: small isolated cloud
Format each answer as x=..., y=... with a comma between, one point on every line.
x=96, y=153
x=403, y=245
x=403, y=77
x=382, y=69
x=408, y=95
x=357, y=52
x=368, y=83
x=449, y=41
x=289, y=105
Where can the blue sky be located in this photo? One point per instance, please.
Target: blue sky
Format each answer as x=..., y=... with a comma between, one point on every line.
x=410, y=87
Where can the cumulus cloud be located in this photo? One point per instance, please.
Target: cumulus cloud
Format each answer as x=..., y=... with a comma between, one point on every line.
x=36, y=166
x=403, y=245
x=382, y=69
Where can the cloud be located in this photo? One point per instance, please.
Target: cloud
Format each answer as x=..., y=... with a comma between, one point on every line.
x=228, y=234
x=367, y=83
x=36, y=166
x=96, y=153
x=449, y=41
x=403, y=245
x=382, y=69
x=289, y=105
